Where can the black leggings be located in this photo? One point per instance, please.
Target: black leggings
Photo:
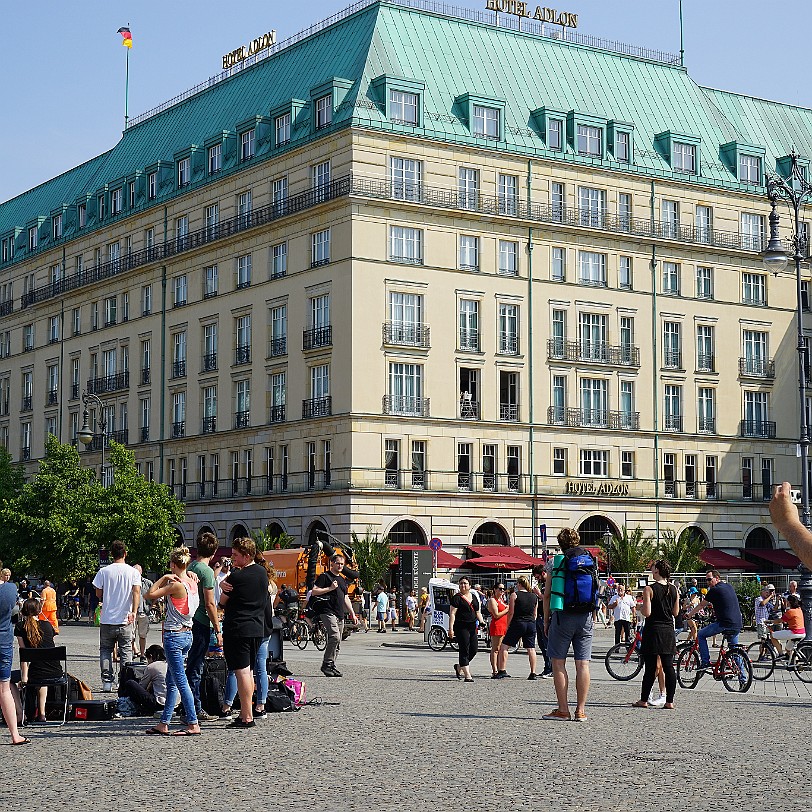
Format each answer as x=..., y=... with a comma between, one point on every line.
x=465, y=635
x=650, y=674
x=623, y=629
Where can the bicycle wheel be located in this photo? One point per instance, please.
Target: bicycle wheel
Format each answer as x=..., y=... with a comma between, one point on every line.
x=437, y=638
x=64, y=614
x=623, y=662
x=737, y=673
x=803, y=662
x=319, y=636
x=688, y=668
x=300, y=634
x=762, y=659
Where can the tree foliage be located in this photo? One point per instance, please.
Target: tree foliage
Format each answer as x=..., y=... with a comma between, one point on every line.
x=12, y=480
x=60, y=520
x=682, y=552
x=266, y=541
x=631, y=551
x=373, y=557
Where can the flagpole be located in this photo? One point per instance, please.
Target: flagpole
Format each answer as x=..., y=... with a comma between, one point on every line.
x=681, y=39
x=127, y=87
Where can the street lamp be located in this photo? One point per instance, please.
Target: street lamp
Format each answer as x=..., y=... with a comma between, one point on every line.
x=796, y=191
x=86, y=434
x=607, y=545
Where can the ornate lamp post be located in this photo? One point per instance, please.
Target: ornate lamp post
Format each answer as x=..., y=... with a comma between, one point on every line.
x=86, y=434
x=607, y=543
x=796, y=191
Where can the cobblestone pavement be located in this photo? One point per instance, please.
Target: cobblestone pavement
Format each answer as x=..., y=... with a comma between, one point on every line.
x=399, y=732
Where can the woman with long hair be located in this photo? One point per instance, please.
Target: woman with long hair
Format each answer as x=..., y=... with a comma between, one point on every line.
x=498, y=610
x=182, y=602
x=660, y=607
x=33, y=632
x=522, y=613
x=464, y=614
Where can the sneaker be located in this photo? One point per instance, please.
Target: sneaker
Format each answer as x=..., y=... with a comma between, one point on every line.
x=580, y=717
x=260, y=714
x=546, y=674
x=328, y=669
x=659, y=702
x=226, y=713
x=107, y=687
x=533, y=676
x=202, y=716
x=557, y=716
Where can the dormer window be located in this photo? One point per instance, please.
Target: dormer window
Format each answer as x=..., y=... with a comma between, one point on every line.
x=215, y=158
x=403, y=107
x=81, y=211
x=152, y=185
x=247, y=142
x=131, y=187
x=57, y=226
x=684, y=157
x=33, y=238
x=555, y=137
x=183, y=172
x=101, y=206
x=116, y=202
x=282, y=127
x=590, y=140
x=486, y=122
x=750, y=169
x=622, y=147
x=324, y=111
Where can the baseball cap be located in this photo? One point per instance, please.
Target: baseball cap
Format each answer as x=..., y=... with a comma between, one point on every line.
x=770, y=587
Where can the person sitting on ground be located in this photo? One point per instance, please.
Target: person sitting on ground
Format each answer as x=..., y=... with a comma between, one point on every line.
x=148, y=693
x=793, y=619
x=33, y=632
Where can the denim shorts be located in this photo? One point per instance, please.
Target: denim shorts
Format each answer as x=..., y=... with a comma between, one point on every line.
x=570, y=628
x=6, y=656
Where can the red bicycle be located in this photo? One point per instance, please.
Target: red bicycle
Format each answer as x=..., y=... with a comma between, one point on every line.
x=732, y=667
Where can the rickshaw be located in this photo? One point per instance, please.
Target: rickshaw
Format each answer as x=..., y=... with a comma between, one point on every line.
x=438, y=614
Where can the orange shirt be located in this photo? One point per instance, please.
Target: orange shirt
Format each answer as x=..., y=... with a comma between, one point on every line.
x=794, y=618
x=48, y=599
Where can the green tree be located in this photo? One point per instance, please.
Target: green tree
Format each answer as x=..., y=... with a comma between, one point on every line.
x=631, y=551
x=46, y=525
x=682, y=552
x=746, y=591
x=12, y=480
x=142, y=514
x=373, y=557
x=265, y=541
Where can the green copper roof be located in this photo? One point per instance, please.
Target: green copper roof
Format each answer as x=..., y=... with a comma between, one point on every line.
x=451, y=57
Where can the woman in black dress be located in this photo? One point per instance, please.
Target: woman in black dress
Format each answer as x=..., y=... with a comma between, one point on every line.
x=660, y=607
x=465, y=612
x=34, y=633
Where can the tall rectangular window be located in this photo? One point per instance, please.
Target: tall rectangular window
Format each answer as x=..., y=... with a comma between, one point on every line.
x=592, y=337
x=627, y=464
x=558, y=267
x=750, y=169
x=418, y=464
x=180, y=290
x=469, y=252
x=116, y=201
x=320, y=311
x=705, y=361
x=406, y=178
x=704, y=282
x=622, y=147
x=279, y=330
x=242, y=402
x=278, y=396
x=672, y=345
x=704, y=223
x=391, y=462
x=146, y=300
x=464, y=454
x=321, y=248
x=754, y=288
x=320, y=381
x=594, y=402
x=508, y=258
x=405, y=244
x=558, y=333
x=406, y=318
x=56, y=227
x=627, y=420
x=559, y=400
x=183, y=172
x=405, y=389
x=244, y=206
x=624, y=211
x=508, y=329
x=324, y=111
x=152, y=185
x=555, y=129
x=243, y=337
x=624, y=272
x=244, y=271
x=672, y=408
x=508, y=194
x=684, y=157
x=590, y=141
x=671, y=280
x=559, y=462
x=513, y=454
x=279, y=192
x=752, y=231
x=557, y=201
x=756, y=357
x=706, y=409
x=282, y=128
x=591, y=206
x=215, y=158
x=489, y=467
x=403, y=107
x=469, y=325
x=468, y=188
x=210, y=281
x=670, y=218
x=592, y=268
x=508, y=395
x=247, y=144
x=279, y=260
x=486, y=122
x=211, y=218
x=210, y=347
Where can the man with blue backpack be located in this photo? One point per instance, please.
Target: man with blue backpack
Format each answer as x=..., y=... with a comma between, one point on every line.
x=568, y=606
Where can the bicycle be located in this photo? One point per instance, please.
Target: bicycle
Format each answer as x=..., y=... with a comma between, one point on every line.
x=157, y=611
x=623, y=661
x=302, y=632
x=68, y=609
x=732, y=666
x=764, y=657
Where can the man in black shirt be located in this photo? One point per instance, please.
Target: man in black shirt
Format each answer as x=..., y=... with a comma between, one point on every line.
x=728, y=620
x=331, y=587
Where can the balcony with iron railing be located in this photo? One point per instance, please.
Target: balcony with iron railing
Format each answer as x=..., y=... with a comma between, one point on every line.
x=6, y=307
x=317, y=407
x=145, y=376
x=705, y=363
x=27, y=403
x=277, y=414
x=406, y=334
x=706, y=425
x=242, y=419
x=595, y=352
x=178, y=429
x=317, y=337
x=209, y=363
x=509, y=411
x=278, y=346
x=468, y=340
x=120, y=436
x=593, y=418
x=209, y=425
x=74, y=391
x=672, y=422
x=108, y=383
x=144, y=434
x=757, y=367
x=469, y=408
x=25, y=453
x=179, y=369
x=508, y=344
x=672, y=359
x=758, y=428
x=242, y=355
x=405, y=405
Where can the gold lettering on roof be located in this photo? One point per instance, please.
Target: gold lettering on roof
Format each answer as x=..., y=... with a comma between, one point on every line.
x=244, y=51
x=543, y=14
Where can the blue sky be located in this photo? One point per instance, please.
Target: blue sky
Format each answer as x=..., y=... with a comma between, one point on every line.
x=63, y=70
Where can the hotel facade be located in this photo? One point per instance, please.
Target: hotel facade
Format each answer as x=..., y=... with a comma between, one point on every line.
x=364, y=279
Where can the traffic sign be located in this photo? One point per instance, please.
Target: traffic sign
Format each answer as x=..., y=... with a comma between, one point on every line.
x=436, y=544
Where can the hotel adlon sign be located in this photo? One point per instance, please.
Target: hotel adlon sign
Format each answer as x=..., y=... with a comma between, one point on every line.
x=244, y=51
x=542, y=13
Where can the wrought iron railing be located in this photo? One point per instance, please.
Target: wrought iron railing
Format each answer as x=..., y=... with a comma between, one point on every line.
x=108, y=383
x=242, y=419
x=209, y=424
x=210, y=362
x=509, y=411
x=277, y=414
x=179, y=369
x=406, y=334
x=593, y=418
x=758, y=428
x=757, y=367
x=596, y=352
x=317, y=407
x=242, y=355
x=405, y=405
x=179, y=429
x=278, y=346
x=317, y=337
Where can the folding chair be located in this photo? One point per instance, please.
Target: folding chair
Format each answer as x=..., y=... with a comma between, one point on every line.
x=46, y=655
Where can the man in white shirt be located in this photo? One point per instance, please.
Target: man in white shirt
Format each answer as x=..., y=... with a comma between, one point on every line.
x=118, y=587
x=622, y=606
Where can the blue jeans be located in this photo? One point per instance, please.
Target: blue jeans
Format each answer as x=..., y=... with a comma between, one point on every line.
x=711, y=630
x=260, y=675
x=197, y=654
x=176, y=645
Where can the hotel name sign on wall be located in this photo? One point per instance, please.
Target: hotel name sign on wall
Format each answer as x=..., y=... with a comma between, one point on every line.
x=244, y=51
x=542, y=13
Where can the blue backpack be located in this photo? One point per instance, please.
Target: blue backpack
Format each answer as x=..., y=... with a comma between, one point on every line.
x=580, y=581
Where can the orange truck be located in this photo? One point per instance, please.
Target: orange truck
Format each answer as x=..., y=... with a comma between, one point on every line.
x=291, y=566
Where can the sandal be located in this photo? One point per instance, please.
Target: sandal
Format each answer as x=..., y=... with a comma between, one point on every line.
x=640, y=704
x=154, y=731
x=187, y=733
x=22, y=741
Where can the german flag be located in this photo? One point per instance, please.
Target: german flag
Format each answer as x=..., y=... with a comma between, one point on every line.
x=127, y=37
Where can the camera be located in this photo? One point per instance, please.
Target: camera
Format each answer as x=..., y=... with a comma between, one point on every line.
x=795, y=496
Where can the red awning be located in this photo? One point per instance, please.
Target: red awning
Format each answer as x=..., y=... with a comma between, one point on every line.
x=503, y=562
x=497, y=551
x=725, y=561
x=783, y=558
x=445, y=560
